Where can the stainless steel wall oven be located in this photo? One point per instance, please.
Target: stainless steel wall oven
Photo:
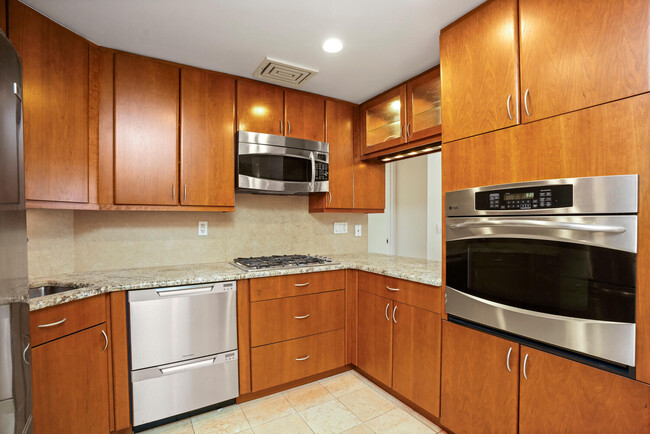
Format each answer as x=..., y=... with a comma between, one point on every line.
x=552, y=261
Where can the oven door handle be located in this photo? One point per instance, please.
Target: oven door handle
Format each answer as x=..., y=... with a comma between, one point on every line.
x=581, y=227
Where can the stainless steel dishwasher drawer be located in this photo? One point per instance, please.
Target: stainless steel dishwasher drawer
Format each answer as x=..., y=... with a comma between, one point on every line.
x=177, y=388
x=170, y=325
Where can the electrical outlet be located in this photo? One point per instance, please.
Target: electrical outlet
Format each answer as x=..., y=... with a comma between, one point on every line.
x=438, y=228
x=203, y=229
x=357, y=230
x=341, y=227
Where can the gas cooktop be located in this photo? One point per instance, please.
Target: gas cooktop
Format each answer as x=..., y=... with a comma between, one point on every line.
x=275, y=262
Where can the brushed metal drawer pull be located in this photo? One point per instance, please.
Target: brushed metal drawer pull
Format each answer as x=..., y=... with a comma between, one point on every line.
x=302, y=317
x=525, y=361
x=300, y=359
x=508, y=360
x=391, y=289
x=106, y=339
x=301, y=284
x=187, y=366
x=52, y=324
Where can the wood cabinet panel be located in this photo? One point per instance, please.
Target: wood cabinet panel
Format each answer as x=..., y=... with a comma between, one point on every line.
x=119, y=349
x=70, y=384
x=479, y=64
x=375, y=337
x=304, y=116
x=3, y=16
x=146, y=131
x=478, y=393
x=267, y=288
x=560, y=395
x=423, y=101
x=416, y=294
x=416, y=356
x=339, y=123
x=207, y=138
x=370, y=180
x=260, y=107
x=277, y=363
x=576, y=54
x=244, y=336
x=73, y=316
x=294, y=317
x=55, y=65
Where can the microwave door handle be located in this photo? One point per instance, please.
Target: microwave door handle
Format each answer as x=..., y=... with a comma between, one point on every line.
x=581, y=227
x=313, y=170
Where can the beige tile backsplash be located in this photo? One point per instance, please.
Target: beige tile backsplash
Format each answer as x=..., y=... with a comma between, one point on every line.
x=63, y=241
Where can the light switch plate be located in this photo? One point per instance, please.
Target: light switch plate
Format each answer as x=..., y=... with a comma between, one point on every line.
x=357, y=230
x=203, y=229
x=341, y=227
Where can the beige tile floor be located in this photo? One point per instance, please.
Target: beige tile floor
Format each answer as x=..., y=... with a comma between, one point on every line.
x=344, y=403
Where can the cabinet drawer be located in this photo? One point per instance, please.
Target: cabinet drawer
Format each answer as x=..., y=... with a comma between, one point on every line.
x=267, y=288
x=284, y=318
x=276, y=364
x=416, y=294
x=56, y=321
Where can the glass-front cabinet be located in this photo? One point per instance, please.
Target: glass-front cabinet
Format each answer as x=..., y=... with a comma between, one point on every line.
x=423, y=106
x=383, y=118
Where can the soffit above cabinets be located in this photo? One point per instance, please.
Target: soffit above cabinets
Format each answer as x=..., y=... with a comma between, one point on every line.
x=385, y=41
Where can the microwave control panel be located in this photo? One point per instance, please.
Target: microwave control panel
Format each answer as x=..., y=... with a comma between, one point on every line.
x=527, y=198
x=322, y=171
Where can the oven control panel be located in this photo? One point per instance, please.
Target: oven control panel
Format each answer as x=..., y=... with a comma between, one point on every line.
x=527, y=198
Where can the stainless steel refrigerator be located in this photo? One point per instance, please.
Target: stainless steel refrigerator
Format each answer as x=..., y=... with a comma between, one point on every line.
x=15, y=374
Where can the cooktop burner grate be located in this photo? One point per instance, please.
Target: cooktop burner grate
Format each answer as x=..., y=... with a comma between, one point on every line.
x=280, y=261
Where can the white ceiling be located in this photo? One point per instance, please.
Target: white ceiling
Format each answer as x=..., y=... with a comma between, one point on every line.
x=385, y=41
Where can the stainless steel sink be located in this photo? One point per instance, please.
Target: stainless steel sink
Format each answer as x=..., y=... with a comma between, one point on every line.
x=41, y=291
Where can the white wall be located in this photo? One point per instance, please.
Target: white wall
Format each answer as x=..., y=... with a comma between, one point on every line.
x=434, y=207
x=379, y=225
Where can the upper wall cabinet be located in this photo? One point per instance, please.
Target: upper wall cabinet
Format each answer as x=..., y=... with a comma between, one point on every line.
x=263, y=108
x=55, y=61
x=577, y=54
x=403, y=117
x=479, y=69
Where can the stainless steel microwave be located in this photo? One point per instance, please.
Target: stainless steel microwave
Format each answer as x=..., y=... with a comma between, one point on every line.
x=280, y=165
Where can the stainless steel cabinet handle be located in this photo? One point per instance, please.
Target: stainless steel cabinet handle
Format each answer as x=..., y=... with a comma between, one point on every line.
x=525, y=361
x=301, y=284
x=508, y=106
x=52, y=324
x=408, y=129
x=386, y=312
x=106, y=339
x=302, y=317
x=508, y=360
x=300, y=359
x=391, y=289
x=25, y=355
x=582, y=227
x=288, y=128
x=526, y=102
x=394, y=319
x=330, y=195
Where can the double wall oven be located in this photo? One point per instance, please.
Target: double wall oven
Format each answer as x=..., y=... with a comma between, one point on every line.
x=549, y=261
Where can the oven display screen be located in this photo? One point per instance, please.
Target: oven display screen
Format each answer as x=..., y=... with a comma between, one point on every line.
x=518, y=196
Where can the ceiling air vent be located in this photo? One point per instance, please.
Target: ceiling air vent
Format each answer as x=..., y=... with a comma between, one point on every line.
x=284, y=73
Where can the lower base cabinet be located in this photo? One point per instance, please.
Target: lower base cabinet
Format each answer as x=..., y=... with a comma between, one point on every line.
x=70, y=384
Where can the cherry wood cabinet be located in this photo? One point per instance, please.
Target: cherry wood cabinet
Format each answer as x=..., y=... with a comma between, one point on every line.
x=559, y=395
x=423, y=106
x=577, y=54
x=55, y=64
x=375, y=337
x=207, y=138
x=480, y=381
x=304, y=115
x=479, y=63
x=146, y=131
x=260, y=107
x=383, y=120
x=3, y=16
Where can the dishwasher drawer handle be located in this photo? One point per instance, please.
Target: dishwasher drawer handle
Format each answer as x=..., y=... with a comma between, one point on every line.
x=392, y=289
x=300, y=359
x=52, y=324
x=302, y=317
x=188, y=366
x=301, y=284
x=164, y=292
x=582, y=227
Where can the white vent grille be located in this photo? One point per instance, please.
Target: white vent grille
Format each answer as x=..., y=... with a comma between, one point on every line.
x=283, y=72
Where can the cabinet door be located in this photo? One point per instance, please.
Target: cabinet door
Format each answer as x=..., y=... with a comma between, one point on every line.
x=423, y=106
x=479, y=67
x=375, y=337
x=55, y=106
x=480, y=381
x=559, y=395
x=146, y=131
x=576, y=54
x=259, y=107
x=304, y=115
x=70, y=384
x=207, y=138
x=340, y=136
x=382, y=121
x=416, y=356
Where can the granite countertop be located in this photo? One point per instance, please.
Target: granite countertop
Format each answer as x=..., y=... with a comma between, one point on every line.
x=92, y=283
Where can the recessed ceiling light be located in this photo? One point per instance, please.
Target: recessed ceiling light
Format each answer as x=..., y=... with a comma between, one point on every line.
x=332, y=45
